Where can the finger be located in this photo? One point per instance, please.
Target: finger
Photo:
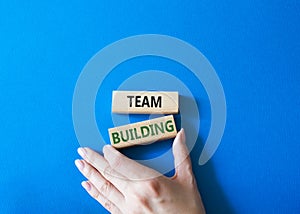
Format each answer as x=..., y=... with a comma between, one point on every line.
x=126, y=166
x=182, y=161
x=103, y=186
x=93, y=191
x=99, y=163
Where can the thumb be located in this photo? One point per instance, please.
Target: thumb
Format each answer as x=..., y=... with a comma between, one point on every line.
x=182, y=161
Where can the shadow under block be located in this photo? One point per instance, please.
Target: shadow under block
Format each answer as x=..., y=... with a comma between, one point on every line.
x=145, y=132
x=145, y=102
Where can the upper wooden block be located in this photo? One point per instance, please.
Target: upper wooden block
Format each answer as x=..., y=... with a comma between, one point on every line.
x=144, y=132
x=145, y=102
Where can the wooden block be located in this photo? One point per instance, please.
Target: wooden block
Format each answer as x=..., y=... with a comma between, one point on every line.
x=145, y=102
x=145, y=132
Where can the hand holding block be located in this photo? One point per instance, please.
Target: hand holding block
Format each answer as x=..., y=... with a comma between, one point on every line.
x=145, y=102
x=145, y=132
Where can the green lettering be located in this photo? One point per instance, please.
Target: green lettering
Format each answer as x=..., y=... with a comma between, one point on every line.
x=145, y=129
x=160, y=128
x=115, y=137
x=127, y=136
x=169, y=128
x=152, y=131
x=136, y=134
x=131, y=134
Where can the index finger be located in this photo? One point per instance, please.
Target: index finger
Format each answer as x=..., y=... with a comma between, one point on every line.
x=126, y=166
x=102, y=166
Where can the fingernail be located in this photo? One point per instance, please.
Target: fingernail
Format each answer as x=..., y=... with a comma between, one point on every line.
x=81, y=152
x=86, y=185
x=79, y=164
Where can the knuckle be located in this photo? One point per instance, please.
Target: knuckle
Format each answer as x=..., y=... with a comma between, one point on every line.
x=143, y=201
x=105, y=202
x=192, y=181
x=107, y=171
x=105, y=188
x=89, y=172
x=154, y=187
x=189, y=170
x=108, y=205
x=96, y=195
x=142, y=204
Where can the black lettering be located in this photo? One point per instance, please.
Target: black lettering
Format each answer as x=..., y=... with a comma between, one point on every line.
x=130, y=100
x=137, y=101
x=156, y=103
x=145, y=102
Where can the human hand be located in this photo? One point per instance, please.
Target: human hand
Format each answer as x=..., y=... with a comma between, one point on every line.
x=122, y=185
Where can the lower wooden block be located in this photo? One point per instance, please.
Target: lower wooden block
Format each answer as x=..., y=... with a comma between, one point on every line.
x=145, y=132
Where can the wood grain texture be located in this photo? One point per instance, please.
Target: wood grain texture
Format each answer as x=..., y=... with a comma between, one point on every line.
x=145, y=132
x=145, y=102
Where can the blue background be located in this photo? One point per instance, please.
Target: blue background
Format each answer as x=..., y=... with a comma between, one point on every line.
x=253, y=45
